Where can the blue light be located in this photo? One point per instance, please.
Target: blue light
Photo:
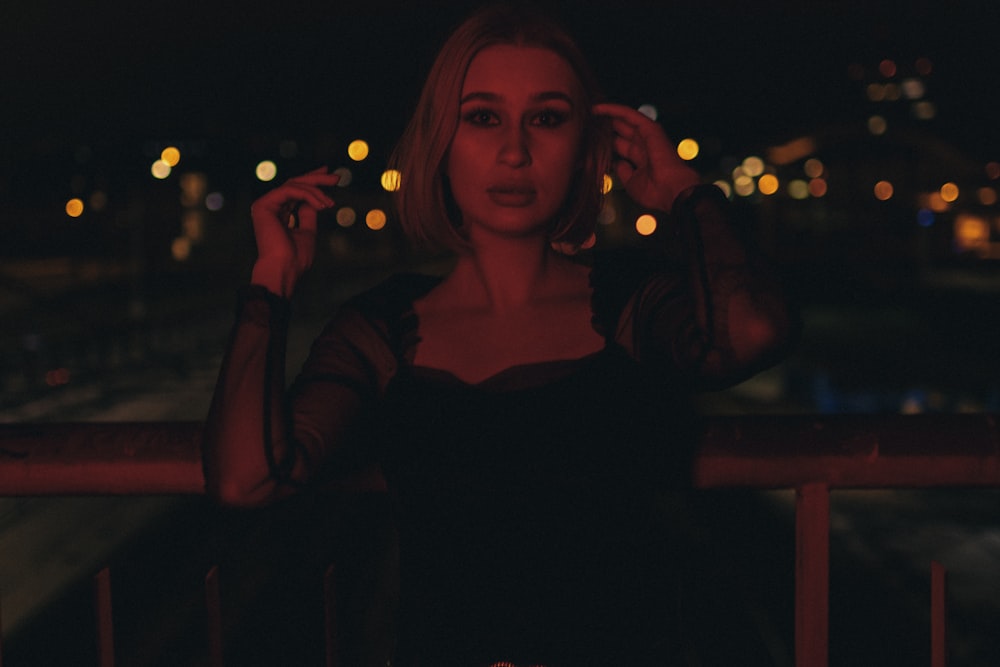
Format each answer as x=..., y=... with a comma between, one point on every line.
x=925, y=217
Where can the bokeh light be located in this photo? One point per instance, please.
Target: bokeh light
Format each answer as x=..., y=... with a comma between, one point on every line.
x=375, y=219
x=798, y=189
x=768, y=184
x=725, y=187
x=607, y=184
x=171, y=155
x=649, y=111
x=887, y=68
x=214, y=201
x=346, y=176
x=993, y=170
x=914, y=89
x=358, y=150
x=753, y=166
x=391, y=180
x=266, y=171
x=74, y=207
x=971, y=232
x=346, y=216
x=813, y=168
x=818, y=187
x=924, y=110
x=688, y=149
x=180, y=249
x=949, y=192
x=743, y=185
x=98, y=200
x=883, y=190
x=987, y=196
x=160, y=169
x=877, y=125
x=645, y=224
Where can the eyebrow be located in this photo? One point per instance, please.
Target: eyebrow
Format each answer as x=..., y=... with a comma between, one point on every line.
x=538, y=97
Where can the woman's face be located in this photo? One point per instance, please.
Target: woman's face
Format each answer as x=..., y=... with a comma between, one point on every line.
x=517, y=148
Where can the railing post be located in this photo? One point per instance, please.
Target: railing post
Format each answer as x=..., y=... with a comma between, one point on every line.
x=213, y=609
x=812, y=575
x=939, y=625
x=103, y=614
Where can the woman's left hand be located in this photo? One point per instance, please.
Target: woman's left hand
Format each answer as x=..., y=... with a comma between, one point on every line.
x=646, y=161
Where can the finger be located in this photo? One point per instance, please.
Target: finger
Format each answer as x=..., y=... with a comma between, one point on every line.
x=316, y=177
x=622, y=113
x=307, y=219
x=293, y=194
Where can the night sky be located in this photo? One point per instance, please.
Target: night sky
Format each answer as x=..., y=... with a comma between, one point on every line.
x=750, y=73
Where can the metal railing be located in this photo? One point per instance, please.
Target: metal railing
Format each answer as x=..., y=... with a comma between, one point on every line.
x=811, y=454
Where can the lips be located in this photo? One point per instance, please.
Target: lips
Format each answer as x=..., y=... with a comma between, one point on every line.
x=514, y=194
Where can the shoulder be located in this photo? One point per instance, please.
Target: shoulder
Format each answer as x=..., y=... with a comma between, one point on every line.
x=373, y=328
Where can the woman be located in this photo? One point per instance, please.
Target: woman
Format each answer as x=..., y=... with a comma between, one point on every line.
x=525, y=407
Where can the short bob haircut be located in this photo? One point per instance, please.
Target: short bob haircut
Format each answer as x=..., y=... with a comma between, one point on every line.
x=424, y=202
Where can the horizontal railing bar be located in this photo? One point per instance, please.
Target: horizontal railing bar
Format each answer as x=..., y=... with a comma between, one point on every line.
x=772, y=451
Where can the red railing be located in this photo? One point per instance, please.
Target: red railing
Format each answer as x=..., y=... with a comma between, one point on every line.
x=810, y=454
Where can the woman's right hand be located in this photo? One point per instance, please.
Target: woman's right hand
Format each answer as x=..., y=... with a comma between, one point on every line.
x=284, y=226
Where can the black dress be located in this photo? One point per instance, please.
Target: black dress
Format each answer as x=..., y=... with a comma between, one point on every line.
x=527, y=504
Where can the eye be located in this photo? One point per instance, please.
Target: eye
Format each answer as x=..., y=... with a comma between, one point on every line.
x=550, y=118
x=481, y=116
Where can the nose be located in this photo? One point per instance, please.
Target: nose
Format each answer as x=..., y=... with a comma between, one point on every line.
x=514, y=149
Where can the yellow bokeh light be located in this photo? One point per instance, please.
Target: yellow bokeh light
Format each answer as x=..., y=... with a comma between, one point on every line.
x=753, y=166
x=358, y=150
x=171, y=155
x=160, y=169
x=266, y=171
x=883, y=190
x=949, y=192
x=74, y=208
x=743, y=185
x=645, y=224
x=375, y=219
x=798, y=189
x=987, y=196
x=346, y=216
x=607, y=184
x=768, y=184
x=688, y=149
x=391, y=180
x=725, y=187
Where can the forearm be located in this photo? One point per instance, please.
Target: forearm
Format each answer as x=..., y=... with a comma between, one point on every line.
x=245, y=442
x=738, y=301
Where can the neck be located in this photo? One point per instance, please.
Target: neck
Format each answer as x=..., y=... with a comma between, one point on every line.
x=505, y=274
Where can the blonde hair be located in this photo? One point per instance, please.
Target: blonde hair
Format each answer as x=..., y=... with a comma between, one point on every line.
x=423, y=201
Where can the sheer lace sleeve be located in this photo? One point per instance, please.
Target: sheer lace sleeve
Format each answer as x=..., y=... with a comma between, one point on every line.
x=716, y=314
x=261, y=442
